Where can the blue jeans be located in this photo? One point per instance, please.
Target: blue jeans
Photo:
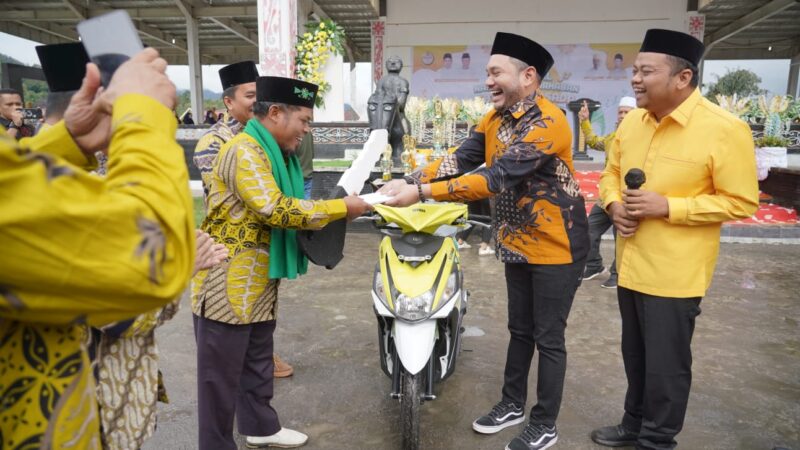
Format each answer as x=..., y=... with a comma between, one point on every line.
x=307, y=188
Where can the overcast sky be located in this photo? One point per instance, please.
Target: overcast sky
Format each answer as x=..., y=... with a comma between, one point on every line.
x=774, y=73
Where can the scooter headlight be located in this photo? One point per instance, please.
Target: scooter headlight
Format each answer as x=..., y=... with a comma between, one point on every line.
x=450, y=288
x=414, y=308
x=380, y=289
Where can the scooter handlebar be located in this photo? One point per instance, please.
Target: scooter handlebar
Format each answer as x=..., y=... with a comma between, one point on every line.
x=479, y=224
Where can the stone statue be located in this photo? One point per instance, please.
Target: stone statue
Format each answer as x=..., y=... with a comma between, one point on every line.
x=392, y=89
x=382, y=112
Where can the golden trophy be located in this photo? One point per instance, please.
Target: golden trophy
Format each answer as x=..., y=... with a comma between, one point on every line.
x=386, y=163
x=408, y=157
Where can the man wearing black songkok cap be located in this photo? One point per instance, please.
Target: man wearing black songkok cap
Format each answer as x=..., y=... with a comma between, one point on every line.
x=699, y=168
x=541, y=227
x=255, y=206
x=238, y=94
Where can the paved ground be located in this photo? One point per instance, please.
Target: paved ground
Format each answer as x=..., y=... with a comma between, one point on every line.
x=746, y=389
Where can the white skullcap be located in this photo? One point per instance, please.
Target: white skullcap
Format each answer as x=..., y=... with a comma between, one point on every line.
x=628, y=102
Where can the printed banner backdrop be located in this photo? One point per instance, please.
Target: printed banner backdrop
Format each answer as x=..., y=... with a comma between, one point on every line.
x=601, y=72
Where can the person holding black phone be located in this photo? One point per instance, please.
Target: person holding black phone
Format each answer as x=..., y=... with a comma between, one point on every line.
x=12, y=116
x=60, y=271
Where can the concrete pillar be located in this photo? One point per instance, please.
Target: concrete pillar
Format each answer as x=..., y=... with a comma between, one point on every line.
x=794, y=76
x=195, y=69
x=333, y=111
x=377, y=29
x=277, y=36
x=353, y=100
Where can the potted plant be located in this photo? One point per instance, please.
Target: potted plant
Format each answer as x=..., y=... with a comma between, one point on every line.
x=771, y=147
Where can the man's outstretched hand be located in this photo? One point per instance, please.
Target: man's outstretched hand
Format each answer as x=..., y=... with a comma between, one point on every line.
x=355, y=207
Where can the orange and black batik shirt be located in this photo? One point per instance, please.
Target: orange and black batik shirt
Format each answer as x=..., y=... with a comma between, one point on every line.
x=540, y=217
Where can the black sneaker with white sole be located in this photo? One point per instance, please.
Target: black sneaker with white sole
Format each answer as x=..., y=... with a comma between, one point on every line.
x=502, y=415
x=590, y=273
x=535, y=436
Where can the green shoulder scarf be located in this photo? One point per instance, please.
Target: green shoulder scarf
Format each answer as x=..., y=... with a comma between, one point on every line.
x=285, y=258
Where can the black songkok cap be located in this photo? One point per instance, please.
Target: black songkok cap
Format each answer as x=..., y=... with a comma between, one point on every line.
x=286, y=90
x=673, y=43
x=523, y=49
x=238, y=73
x=64, y=65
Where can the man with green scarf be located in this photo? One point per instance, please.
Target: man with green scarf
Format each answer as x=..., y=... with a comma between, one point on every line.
x=255, y=207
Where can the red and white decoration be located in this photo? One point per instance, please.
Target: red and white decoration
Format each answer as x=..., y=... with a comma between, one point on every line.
x=697, y=25
x=378, y=27
x=277, y=35
x=767, y=214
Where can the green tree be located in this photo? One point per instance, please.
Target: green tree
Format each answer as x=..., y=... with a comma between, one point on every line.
x=740, y=81
x=35, y=92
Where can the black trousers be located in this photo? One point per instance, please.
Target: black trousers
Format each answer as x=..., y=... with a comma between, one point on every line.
x=599, y=223
x=539, y=300
x=234, y=375
x=656, y=349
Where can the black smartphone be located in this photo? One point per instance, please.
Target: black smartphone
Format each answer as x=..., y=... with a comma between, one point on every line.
x=32, y=113
x=110, y=40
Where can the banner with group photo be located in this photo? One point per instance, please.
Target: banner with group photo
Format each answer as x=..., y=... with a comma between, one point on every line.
x=601, y=72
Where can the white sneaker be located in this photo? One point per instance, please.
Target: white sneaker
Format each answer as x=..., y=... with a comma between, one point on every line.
x=462, y=245
x=285, y=438
x=486, y=251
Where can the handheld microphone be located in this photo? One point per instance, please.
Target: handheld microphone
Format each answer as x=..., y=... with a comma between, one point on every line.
x=635, y=178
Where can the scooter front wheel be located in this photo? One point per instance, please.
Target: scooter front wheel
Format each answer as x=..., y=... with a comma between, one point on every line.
x=413, y=388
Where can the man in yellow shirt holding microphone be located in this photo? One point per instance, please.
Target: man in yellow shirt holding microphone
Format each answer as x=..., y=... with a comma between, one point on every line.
x=699, y=171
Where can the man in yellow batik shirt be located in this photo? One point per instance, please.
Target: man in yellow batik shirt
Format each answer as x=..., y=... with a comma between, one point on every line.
x=62, y=268
x=255, y=207
x=700, y=171
x=239, y=94
x=540, y=227
x=599, y=221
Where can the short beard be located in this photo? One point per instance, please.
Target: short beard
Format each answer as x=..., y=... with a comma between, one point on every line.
x=513, y=100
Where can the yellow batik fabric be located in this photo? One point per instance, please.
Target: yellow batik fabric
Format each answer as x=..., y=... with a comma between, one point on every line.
x=207, y=148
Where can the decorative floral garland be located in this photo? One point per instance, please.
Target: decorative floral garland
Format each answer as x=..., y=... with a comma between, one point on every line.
x=313, y=49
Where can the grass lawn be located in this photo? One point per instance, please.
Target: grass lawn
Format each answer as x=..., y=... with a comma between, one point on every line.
x=199, y=211
x=320, y=163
